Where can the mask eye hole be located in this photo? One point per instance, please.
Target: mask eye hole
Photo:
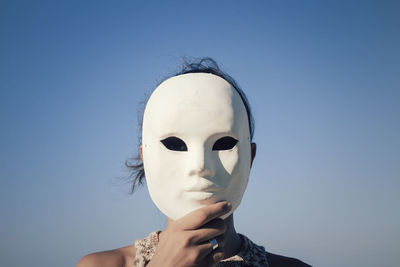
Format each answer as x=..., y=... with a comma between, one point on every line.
x=174, y=143
x=225, y=143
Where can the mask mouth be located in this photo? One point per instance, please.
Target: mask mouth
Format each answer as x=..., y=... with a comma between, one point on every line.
x=203, y=196
x=205, y=186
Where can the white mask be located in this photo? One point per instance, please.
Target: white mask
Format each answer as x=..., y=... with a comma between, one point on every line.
x=188, y=163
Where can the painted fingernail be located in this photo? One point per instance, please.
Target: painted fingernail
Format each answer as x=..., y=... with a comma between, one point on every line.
x=227, y=206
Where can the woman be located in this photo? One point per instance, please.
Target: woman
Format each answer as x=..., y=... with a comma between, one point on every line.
x=196, y=153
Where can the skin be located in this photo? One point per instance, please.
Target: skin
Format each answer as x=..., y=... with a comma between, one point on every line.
x=185, y=242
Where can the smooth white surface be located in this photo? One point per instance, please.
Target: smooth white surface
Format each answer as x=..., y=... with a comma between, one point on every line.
x=199, y=109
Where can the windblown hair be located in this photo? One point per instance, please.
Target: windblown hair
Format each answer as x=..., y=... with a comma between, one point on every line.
x=203, y=65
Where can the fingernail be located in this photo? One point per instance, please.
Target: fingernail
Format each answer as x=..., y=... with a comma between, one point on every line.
x=227, y=206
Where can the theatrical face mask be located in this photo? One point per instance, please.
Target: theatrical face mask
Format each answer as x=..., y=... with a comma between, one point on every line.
x=196, y=144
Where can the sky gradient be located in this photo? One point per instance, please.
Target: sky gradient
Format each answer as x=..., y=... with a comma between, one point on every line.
x=322, y=79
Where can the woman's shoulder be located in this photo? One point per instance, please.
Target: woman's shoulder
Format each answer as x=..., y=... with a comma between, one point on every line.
x=283, y=261
x=119, y=257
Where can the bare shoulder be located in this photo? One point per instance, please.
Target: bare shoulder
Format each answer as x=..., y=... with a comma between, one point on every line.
x=120, y=257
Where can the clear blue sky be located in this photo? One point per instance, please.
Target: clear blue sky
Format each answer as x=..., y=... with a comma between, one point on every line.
x=323, y=81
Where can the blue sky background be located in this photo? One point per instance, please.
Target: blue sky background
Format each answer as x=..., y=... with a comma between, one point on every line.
x=323, y=81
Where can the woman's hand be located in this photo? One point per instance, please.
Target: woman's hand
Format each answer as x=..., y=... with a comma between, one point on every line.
x=185, y=242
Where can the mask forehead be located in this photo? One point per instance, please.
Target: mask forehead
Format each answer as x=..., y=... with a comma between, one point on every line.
x=195, y=104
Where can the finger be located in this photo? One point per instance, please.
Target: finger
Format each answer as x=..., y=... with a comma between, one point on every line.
x=213, y=258
x=209, y=231
x=201, y=216
x=206, y=250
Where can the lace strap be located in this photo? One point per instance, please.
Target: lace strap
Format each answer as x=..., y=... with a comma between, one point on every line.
x=145, y=249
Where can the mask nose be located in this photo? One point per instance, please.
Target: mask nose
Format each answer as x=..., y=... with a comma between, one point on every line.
x=200, y=163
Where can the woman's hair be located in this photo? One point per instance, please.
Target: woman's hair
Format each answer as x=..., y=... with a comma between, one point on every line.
x=203, y=65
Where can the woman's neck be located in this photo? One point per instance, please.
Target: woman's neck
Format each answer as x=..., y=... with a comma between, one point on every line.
x=232, y=239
